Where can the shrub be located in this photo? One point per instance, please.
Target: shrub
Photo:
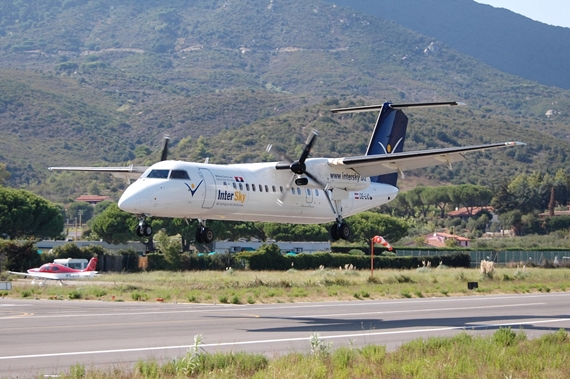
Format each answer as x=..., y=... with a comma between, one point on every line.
x=138, y=296
x=74, y=295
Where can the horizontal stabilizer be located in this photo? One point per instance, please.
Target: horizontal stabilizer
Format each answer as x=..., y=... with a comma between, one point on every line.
x=372, y=108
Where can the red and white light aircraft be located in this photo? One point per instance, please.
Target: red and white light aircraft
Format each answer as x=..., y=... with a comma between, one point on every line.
x=303, y=191
x=54, y=271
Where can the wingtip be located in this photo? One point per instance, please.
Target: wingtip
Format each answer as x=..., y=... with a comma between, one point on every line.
x=515, y=143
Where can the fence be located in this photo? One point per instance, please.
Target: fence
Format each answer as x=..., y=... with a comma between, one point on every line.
x=499, y=257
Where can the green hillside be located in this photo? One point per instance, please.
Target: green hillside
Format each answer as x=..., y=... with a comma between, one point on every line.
x=503, y=39
x=99, y=83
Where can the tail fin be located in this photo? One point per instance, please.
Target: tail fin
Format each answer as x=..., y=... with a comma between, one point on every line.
x=388, y=137
x=92, y=265
x=390, y=130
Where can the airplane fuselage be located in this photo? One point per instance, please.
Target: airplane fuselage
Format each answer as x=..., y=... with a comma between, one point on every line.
x=249, y=192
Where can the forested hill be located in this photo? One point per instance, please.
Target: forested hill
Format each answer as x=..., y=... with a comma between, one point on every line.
x=99, y=82
x=503, y=39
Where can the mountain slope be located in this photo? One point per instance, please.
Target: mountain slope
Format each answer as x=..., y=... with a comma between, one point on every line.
x=99, y=82
x=503, y=39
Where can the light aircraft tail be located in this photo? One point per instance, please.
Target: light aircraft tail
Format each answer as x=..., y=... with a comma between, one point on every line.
x=92, y=265
x=390, y=131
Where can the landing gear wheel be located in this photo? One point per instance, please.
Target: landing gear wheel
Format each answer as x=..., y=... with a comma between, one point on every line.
x=340, y=230
x=204, y=235
x=199, y=235
x=344, y=231
x=144, y=230
x=334, y=232
x=207, y=235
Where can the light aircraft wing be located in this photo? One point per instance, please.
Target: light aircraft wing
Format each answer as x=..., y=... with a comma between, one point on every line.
x=129, y=172
x=59, y=276
x=42, y=275
x=373, y=165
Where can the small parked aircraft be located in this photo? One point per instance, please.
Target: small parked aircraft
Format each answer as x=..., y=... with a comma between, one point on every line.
x=54, y=271
x=302, y=191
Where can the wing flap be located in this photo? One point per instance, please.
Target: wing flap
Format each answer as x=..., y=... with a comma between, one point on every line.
x=372, y=165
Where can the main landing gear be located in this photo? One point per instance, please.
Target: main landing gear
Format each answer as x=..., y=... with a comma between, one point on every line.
x=340, y=229
x=204, y=234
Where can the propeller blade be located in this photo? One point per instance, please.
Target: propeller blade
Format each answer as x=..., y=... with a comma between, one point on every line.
x=314, y=179
x=297, y=167
x=285, y=161
x=164, y=155
x=286, y=191
x=308, y=146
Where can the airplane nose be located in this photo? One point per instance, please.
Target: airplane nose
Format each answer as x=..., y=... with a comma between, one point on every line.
x=129, y=203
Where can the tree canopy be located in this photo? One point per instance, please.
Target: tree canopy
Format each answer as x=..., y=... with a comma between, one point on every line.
x=24, y=214
x=366, y=225
x=115, y=226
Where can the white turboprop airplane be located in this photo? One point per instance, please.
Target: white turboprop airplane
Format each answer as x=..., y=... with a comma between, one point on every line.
x=54, y=271
x=304, y=191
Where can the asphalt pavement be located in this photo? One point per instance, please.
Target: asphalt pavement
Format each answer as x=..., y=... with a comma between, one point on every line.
x=46, y=337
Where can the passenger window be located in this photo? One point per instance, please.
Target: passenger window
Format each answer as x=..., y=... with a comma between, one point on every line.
x=235, y=186
x=317, y=192
x=266, y=188
x=158, y=174
x=292, y=190
x=298, y=191
x=241, y=187
x=273, y=188
x=309, y=191
x=260, y=188
x=247, y=186
x=253, y=187
x=281, y=189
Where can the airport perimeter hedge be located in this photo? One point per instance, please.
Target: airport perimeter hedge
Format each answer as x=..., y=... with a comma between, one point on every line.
x=22, y=255
x=269, y=257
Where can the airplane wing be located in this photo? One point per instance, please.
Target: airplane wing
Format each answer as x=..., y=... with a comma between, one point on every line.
x=129, y=172
x=43, y=275
x=63, y=276
x=373, y=165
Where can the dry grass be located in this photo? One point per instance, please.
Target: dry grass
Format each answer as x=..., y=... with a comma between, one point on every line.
x=505, y=354
x=240, y=287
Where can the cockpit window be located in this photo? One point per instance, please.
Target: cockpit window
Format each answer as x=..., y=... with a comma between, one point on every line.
x=179, y=174
x=158, y=174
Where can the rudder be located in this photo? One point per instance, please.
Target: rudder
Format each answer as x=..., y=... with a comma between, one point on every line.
x=92, y=265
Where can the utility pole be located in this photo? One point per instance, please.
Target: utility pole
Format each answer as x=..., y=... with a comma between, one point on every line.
x=80, y=213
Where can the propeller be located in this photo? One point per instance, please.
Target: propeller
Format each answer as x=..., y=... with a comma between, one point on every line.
x=298, y=167
x=164, y=155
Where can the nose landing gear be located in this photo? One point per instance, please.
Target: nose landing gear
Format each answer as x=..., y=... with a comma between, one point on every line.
x=143, y=229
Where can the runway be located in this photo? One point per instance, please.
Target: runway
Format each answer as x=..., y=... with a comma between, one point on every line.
x=48, y=336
